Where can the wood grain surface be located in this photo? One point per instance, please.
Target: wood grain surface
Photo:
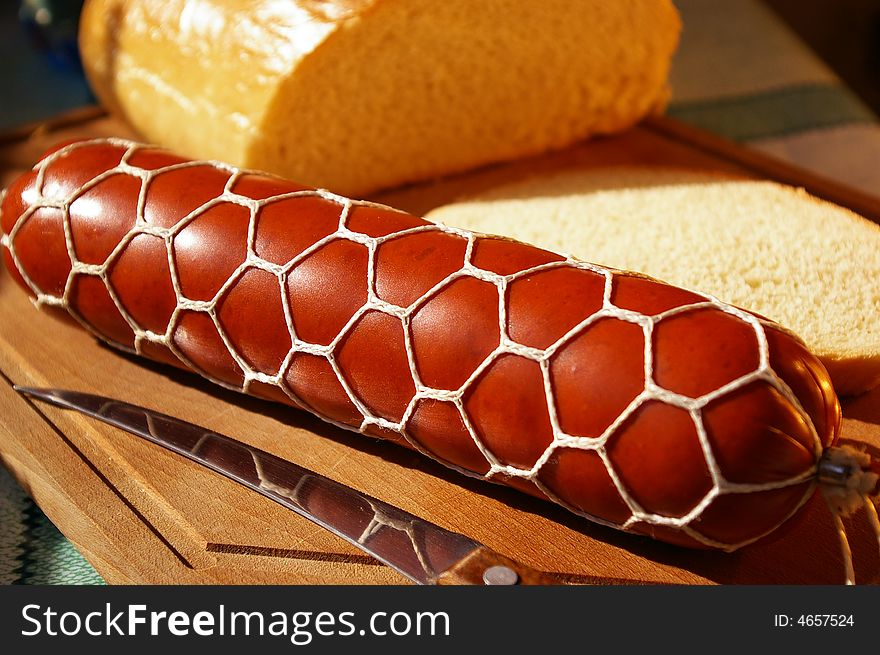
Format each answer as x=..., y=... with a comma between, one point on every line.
x=142, y=515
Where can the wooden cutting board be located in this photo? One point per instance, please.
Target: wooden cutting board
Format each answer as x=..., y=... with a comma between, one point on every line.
x=143, y=515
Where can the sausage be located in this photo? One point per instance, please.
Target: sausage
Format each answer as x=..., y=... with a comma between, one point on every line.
x=636, y=404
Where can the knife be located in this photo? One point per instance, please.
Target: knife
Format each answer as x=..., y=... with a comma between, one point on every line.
x=420, y=550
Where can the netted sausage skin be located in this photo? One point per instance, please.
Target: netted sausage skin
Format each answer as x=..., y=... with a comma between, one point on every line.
x=634, y=403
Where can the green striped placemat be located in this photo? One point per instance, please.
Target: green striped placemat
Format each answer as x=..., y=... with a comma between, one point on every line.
x=32, y=550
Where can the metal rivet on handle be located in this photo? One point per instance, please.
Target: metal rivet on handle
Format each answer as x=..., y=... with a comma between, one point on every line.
x=500, y=575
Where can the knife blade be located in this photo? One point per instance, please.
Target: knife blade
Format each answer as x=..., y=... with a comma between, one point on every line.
x=422, y=551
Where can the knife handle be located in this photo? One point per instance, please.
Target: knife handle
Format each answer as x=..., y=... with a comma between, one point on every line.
x=483, y=566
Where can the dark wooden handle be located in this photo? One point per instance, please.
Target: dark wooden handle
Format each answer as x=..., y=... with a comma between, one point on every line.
x=484, y=566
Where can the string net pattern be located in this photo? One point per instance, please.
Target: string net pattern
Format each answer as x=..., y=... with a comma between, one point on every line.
x=497, y=469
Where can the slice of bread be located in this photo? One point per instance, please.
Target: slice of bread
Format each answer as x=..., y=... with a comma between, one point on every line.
x=358, y=95
x=809, y=265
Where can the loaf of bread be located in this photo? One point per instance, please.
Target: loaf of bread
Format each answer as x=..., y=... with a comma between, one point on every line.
x=358, y=95
x=805, y=263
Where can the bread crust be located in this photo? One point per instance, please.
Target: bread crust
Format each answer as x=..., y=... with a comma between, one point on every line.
x=359, y=95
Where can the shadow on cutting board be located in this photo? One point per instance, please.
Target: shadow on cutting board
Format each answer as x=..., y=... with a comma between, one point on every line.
x=865, y=407
x=804, y=551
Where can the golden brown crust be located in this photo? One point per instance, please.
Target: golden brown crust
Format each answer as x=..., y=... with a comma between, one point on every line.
x=358, y=95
